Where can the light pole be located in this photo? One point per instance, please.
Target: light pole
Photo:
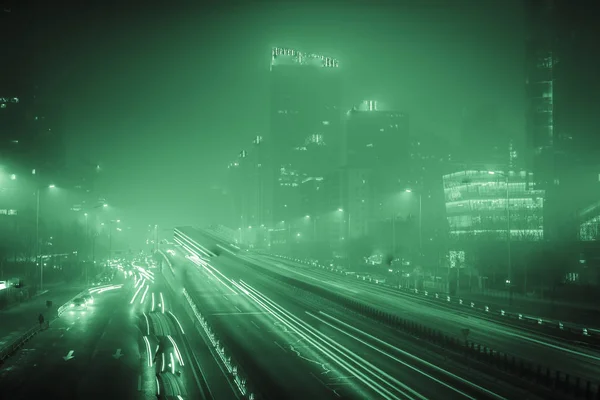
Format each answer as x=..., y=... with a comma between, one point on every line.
x=508, y=238
x=38, y=255
x=420, y=221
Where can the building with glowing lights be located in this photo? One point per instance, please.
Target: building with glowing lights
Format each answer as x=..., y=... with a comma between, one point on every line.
x=376, y=165
x=304, y=140
x=476, y=206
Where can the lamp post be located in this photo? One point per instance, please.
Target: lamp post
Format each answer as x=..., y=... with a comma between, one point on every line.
x=508, y=238
x=420, y=221
x=38, y=255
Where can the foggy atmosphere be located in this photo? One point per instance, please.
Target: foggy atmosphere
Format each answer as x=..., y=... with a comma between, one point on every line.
x=270, y=200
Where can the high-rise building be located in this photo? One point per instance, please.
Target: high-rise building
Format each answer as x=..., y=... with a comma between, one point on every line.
x=376, y=166
x=304, y=141
x=562, y=118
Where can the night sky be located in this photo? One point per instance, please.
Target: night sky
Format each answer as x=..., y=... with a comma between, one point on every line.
x=164, y=94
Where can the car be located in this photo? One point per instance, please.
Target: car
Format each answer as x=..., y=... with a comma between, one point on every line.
x=88, y=299
x=78, y=304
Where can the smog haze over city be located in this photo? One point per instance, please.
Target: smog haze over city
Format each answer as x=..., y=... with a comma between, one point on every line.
x=392, y=199
x=164, y=96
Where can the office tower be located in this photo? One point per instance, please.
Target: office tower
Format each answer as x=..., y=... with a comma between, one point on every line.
x=304, y=141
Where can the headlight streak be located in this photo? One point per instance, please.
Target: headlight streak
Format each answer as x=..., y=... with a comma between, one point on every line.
x=138, y=282
x=152, y=301
x=162, y=303
x=193, y=243
x=209, y=268
x=163, y=363
x=144, y=295
x=189, y=244
x=177, y=352
x=157, y=387
x=147, y=324
x=178, y=323
x=172, y=363
x=136, y=293
x=148, y=351
x=443, y=371
x=328, y=347
x=105, y=288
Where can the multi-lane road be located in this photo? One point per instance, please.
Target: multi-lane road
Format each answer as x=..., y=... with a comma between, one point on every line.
x=541, y=348
x=128, y=344
x=535, y=346
x=291, y=345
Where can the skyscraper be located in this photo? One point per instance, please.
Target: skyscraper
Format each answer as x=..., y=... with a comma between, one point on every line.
x=305, y=135
x=377, y=164
x=562, y=118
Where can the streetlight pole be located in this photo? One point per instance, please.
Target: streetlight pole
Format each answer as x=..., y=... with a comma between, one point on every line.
x=37, y=238
x=508, y=238
x=86, y=240
x=110, y=228
x=420, y=221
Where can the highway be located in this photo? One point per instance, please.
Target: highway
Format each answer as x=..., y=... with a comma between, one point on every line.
x=540, y=348
x=83, y=354
x=129, y=344
x=296, y=346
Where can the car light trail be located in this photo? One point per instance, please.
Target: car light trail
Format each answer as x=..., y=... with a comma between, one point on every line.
x=163, y=362
x=136, y=293
x=211, y=270
x=106, y=289
x=178, y=323
x=172, y=363
x=363, y=370
x=138, y=282
x=147, y=324
x=482, y=389
x=162, y=303
x=157, y=387
x=148, y=351
x=152, y=301
x=144, y=295
x=177, y=353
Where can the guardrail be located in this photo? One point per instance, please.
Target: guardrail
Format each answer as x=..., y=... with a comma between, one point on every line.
x=581, y=331
x=233, y=368
x=16, y=344
x=491, y=361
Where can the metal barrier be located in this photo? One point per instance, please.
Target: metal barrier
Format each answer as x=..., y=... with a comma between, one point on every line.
x=581, y=332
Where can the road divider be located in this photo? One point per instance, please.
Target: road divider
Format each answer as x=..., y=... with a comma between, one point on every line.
x=233, y=369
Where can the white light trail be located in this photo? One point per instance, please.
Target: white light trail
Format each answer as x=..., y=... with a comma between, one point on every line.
x=136, y=293
x=178, y=323
x=144, y=295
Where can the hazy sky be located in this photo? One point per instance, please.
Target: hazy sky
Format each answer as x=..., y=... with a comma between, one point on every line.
x=165, y=95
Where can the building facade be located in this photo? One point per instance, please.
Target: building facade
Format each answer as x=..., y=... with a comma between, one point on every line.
x=304, y=140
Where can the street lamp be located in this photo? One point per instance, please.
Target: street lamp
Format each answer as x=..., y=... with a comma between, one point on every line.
x=420, y=221
x=38, y=256
x=508, y=245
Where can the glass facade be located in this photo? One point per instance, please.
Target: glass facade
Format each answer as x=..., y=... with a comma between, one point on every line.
x=476, y=205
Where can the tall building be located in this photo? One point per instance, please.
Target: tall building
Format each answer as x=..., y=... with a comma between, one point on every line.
x=376, y=167
x=304, y=141
x=562, y=118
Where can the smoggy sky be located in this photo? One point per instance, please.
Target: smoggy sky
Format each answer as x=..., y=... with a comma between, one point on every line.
x=164, y=96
